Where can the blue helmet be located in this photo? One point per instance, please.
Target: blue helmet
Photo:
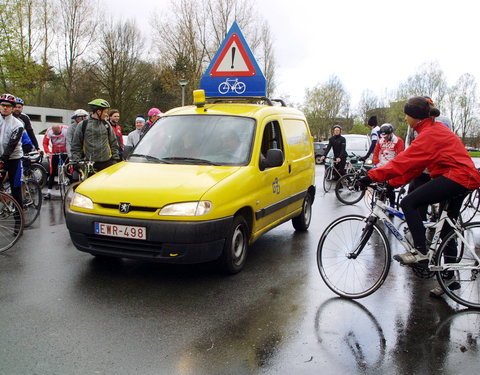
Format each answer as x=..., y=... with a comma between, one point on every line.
x=19, y=101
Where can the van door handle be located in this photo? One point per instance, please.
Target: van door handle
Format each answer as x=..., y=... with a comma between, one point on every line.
x=289, y=168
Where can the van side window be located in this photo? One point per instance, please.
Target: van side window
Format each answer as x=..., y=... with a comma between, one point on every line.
x=272, y=137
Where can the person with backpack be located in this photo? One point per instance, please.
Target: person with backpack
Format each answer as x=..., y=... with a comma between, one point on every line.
x=94, y=138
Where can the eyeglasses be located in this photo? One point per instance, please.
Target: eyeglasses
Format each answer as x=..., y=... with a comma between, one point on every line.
x=6, y=105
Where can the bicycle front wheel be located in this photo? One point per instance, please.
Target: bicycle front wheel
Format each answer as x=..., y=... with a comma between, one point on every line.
x=347, y=190
x=347, y=271
x=328, y=179
x=461, y=278
x=11, y=221
x=32, y=201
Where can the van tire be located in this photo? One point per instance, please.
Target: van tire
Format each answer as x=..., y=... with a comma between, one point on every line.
x=302, y=221
x=235, y=250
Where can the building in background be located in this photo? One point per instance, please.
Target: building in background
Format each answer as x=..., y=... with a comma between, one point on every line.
x=42, y=118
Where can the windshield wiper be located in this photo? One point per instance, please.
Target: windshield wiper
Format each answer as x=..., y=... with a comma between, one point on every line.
x=151, y=158
x=191, y=160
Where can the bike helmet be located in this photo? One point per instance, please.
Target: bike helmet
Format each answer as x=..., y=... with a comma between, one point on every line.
x=99, y=104
x=79, y=113
x=8, y=98
x=386, y=129
x=19, y=101
x=336, y=126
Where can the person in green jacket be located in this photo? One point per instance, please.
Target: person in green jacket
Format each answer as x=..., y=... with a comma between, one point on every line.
x=94, y=138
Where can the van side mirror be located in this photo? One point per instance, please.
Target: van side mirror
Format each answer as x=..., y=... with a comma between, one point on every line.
x=274, y=159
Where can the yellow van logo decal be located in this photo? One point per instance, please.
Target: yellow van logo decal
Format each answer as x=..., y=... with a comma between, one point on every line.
x=276, y=186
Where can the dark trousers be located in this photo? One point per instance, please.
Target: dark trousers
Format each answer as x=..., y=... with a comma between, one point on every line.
x=436, y=190
x=14, y=169
x=340, y=166
x=54, y=160
x=416, y=183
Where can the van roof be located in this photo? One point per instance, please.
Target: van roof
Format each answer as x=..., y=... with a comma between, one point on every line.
x=235, y=109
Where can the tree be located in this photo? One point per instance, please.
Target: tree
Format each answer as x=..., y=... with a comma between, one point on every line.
x=428, y=81
x=368, y=102
x=324, y=104
x=77, y=28
x=20, y=38
x=195, y=33
x=118, y=71
x=466, y=90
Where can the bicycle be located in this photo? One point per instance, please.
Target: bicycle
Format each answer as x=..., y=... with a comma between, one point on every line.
x=12, y=220
x=233, y=85
x=346, y=188
x=32, y=168
x=353, y=254
x=331, y=175
x=62, y=173
x=31, y=195
x=86, y=170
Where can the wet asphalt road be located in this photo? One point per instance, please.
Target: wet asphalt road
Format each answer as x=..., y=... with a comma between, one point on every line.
x=64, y=312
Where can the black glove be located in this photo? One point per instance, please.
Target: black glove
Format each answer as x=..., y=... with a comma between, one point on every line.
x=364, y=182
x=362, y=158
x=76, y=166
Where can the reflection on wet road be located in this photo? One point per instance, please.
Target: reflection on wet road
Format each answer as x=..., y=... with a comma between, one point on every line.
x=64, y=312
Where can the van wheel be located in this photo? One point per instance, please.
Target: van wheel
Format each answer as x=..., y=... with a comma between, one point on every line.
x=235, y=250
x=302, y=221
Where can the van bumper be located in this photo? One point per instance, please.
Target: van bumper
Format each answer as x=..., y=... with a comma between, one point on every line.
x=182, y=242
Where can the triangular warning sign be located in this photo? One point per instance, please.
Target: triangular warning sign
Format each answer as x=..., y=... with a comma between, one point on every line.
x=233, y=61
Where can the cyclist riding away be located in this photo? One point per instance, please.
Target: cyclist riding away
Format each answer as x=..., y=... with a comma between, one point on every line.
x=339, y=145
x=94, y=138
x=57, y=136
x=388, y=146
x=451, y=168
x=11, y=153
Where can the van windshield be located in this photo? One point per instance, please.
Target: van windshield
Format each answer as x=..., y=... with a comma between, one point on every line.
x=197, y=139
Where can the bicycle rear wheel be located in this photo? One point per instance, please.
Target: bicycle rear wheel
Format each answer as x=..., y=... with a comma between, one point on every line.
x=347, y=272
x=461, y=279
x=11, y=221
x=38, y=173
x=32, y=201
x=470, y=206
x=347, y=190
x=328, y=179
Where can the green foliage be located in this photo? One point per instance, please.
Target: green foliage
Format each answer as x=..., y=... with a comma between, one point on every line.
x=359, y=128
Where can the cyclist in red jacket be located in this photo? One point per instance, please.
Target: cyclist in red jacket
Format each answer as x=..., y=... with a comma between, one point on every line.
x=451, y=168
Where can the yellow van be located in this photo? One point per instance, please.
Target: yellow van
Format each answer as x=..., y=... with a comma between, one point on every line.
x=204, y=183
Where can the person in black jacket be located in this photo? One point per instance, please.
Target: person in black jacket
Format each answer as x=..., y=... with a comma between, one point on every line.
x=18, y=113
x=338, y=144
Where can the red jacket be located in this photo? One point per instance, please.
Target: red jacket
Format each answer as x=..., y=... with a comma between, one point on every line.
x=437, y=148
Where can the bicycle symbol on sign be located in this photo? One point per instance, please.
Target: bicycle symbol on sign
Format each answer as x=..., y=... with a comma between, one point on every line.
x=233, y=85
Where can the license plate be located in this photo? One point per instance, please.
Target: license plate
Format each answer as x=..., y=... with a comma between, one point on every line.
x=122, y=231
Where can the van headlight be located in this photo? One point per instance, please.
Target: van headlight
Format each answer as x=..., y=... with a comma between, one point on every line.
x=187, y=209
x=81, y=201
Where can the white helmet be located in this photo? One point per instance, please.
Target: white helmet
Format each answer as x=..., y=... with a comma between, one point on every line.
x=79, y=113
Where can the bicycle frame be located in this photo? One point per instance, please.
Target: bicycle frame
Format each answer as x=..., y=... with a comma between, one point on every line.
x=379, y=212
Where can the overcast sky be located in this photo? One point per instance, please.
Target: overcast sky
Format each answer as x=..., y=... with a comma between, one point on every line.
x=368, y=44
